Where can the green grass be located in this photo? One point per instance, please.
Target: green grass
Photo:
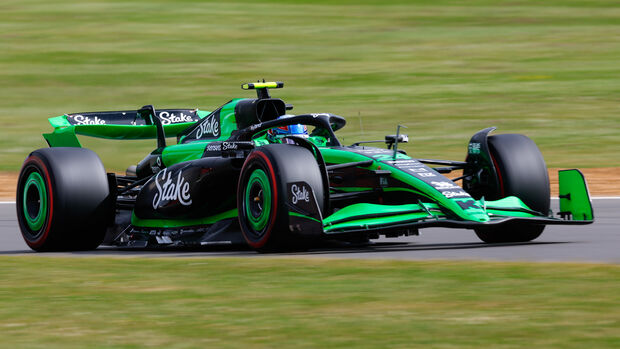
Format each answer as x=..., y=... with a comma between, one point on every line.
x=305, y=303
x=445, y=69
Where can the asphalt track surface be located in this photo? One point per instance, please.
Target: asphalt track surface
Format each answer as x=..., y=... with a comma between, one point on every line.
x=598, y=242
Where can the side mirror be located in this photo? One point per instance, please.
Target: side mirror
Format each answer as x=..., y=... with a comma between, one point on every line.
x=391, y=139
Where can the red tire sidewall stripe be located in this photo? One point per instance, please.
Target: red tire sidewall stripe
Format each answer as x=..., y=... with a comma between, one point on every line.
x=502, y=191
x=272, y=175
x=48, y=223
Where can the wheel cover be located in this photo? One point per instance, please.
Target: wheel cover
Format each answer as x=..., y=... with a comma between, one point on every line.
x=34, y=201
x=258, y=200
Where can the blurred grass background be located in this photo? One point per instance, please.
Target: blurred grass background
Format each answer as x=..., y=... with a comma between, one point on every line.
x=445, y=69
x=99, y=302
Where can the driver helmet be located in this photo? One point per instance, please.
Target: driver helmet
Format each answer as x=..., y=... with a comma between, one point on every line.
x=297, y=130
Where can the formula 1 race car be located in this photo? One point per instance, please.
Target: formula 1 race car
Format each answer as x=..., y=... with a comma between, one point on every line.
x=249, y=173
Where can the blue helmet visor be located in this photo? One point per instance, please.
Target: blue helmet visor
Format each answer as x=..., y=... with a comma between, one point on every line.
x=297, y=129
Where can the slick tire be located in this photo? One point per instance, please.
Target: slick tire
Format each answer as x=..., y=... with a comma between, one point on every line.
x=521, y=172
x=63, y=200
x=262, y=195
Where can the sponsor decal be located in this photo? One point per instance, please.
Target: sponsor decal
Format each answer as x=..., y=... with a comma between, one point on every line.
x=302, y=200
x=319, y=114
x=467, y=204
x=403, y=163
x=171, y=118
x=166, y=116
x=383, y=182
x=426, y=174
x=214, y=147
x=163, y=239
x=371, y=151
x=169, y=190
x=299, y=193
x=454, y=194
x=421, y=171
x=256, y=126
x=474, y=148
x=229, y=146
x=209, y=127
x=408, y=163
x=85, y=120
x=444, y=185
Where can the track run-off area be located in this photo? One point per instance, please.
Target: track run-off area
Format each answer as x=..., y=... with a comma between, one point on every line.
x=598, y=243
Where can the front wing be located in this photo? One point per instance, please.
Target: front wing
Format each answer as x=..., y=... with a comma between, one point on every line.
x=415, y=216
x=575, y=209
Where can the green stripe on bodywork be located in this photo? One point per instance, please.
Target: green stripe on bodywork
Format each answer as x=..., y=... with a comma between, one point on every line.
x=176, y=153
x=290, y=213
x=510, y=206
x=228, y=121
x=389, y=214
x=507, y=202
x=337, y=156
x=373, y=209
x=378, y=222
x=177, y=223
x=495, y=213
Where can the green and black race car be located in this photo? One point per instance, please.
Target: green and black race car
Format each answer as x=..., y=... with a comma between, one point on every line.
x=249, y=173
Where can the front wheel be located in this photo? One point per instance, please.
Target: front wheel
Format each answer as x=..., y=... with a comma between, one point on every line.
x=262, y=194
x=521, y=172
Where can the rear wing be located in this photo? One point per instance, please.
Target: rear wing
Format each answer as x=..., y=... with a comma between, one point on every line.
x=124, y=124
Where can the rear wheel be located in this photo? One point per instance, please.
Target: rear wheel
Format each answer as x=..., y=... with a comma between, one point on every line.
x=521, y=172
x=262, y=194
x=63, y=200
